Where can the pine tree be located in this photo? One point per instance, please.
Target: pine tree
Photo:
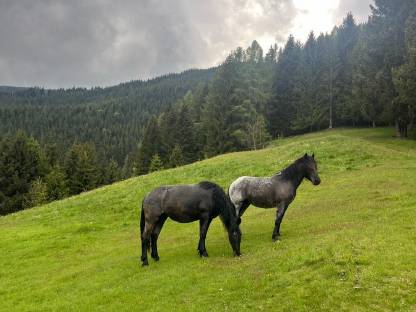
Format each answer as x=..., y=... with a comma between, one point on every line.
x=168, y=133
x=81, y=168
x=404, y=78
x=56, y=184
x=216, y=115
x=309, y=112
x=37, y=194
x=150, y=146
x=21, y=163
x=281, y=107
x=112, y=172
x=254, y=53
x=127, y=169
x=345, y=40
x=186, y=135
x=155, y=163
x=257, y=134
x=176, y=158
x=369, y=77
x=271, y=55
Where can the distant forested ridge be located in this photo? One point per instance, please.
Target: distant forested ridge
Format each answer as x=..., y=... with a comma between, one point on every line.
x=356, y=75
x=112, y=118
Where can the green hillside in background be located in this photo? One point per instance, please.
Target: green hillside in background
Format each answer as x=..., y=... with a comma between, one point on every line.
x=347, y=244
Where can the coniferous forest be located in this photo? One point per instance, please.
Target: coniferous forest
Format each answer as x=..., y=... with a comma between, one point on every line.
x=56, y=143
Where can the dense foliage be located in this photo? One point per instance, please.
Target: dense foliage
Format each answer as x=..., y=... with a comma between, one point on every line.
x=357, y=75
x=112, y=119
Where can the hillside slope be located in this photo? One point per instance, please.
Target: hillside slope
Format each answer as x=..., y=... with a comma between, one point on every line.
x=347, y=244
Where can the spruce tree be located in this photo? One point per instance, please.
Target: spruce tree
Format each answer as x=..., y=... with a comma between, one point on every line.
x=56, y=184
x=155, y=163
x=345, y=40
x=217, y=112
x=176, y=158
x=81, y=168
x=404, y=78
x=37, y=194
x=21, y=163
x=281, y=107
x=309, y=112
x=149, y=146
x=112, y=172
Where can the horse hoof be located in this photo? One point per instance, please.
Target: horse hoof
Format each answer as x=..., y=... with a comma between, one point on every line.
x=156, y=258
x=204, y=254
x=145, y=263
x=276, y=238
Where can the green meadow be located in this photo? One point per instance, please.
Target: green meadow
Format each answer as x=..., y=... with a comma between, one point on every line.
x=347, y=244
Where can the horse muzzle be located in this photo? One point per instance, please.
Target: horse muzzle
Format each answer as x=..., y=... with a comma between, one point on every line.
x=316, y=181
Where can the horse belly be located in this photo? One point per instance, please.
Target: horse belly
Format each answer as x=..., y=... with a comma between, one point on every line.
x=262, y=202
x=182, y=218
x=184, y=211
x=262, y=196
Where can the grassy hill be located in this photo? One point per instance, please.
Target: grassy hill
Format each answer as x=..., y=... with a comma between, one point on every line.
x=347, y=244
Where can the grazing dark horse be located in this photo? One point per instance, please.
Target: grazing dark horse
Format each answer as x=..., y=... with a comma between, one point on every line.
x=278, y=190
x=187, y=203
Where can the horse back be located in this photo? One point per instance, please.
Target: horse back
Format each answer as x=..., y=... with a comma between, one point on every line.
x=186, y=203
x=263, y=192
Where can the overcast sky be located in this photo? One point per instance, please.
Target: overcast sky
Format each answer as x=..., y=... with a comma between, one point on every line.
x=65, y=43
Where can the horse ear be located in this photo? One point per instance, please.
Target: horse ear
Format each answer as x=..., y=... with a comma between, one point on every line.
x=313, y=155
x=306, y=155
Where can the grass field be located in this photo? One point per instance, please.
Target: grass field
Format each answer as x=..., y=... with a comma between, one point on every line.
x=347, y=244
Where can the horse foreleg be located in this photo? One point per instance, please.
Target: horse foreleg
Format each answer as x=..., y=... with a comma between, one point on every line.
x=155, y=234
x=203, y=229
x=145, y=242
x=281, y=209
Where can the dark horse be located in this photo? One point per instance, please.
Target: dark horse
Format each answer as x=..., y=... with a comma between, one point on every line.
x=278, y=190
x=187, y=203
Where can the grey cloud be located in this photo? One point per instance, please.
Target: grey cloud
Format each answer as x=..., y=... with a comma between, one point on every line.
x=102, y=42
x=359, y=8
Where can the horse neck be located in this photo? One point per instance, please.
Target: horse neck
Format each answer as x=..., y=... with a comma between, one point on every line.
x=226, y=213
x=298, y=180
x=295, y=174
x=225, y=218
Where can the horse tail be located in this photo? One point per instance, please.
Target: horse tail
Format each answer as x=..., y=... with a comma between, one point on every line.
x=142, y=225
x=142, y=221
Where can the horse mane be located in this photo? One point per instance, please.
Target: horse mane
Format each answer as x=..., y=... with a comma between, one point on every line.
x=206, y=185
x=222, y=201
x=291, y=171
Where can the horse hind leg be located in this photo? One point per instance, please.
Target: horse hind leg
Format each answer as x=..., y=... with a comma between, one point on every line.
x=155, y=234
x=240, y=204
x=146, y=242
x=203, y=229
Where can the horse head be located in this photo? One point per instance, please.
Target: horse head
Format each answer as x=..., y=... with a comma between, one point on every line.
x=311, y=169
x=234, y=235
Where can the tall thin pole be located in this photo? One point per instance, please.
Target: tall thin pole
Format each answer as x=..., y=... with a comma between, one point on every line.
x=331, y=74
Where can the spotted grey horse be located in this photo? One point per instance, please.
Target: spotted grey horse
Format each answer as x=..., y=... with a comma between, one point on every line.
x=187, y=203
x=278, y=190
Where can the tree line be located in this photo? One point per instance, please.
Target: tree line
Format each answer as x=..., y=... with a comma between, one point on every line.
x=31, y=175
x=356, y=75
